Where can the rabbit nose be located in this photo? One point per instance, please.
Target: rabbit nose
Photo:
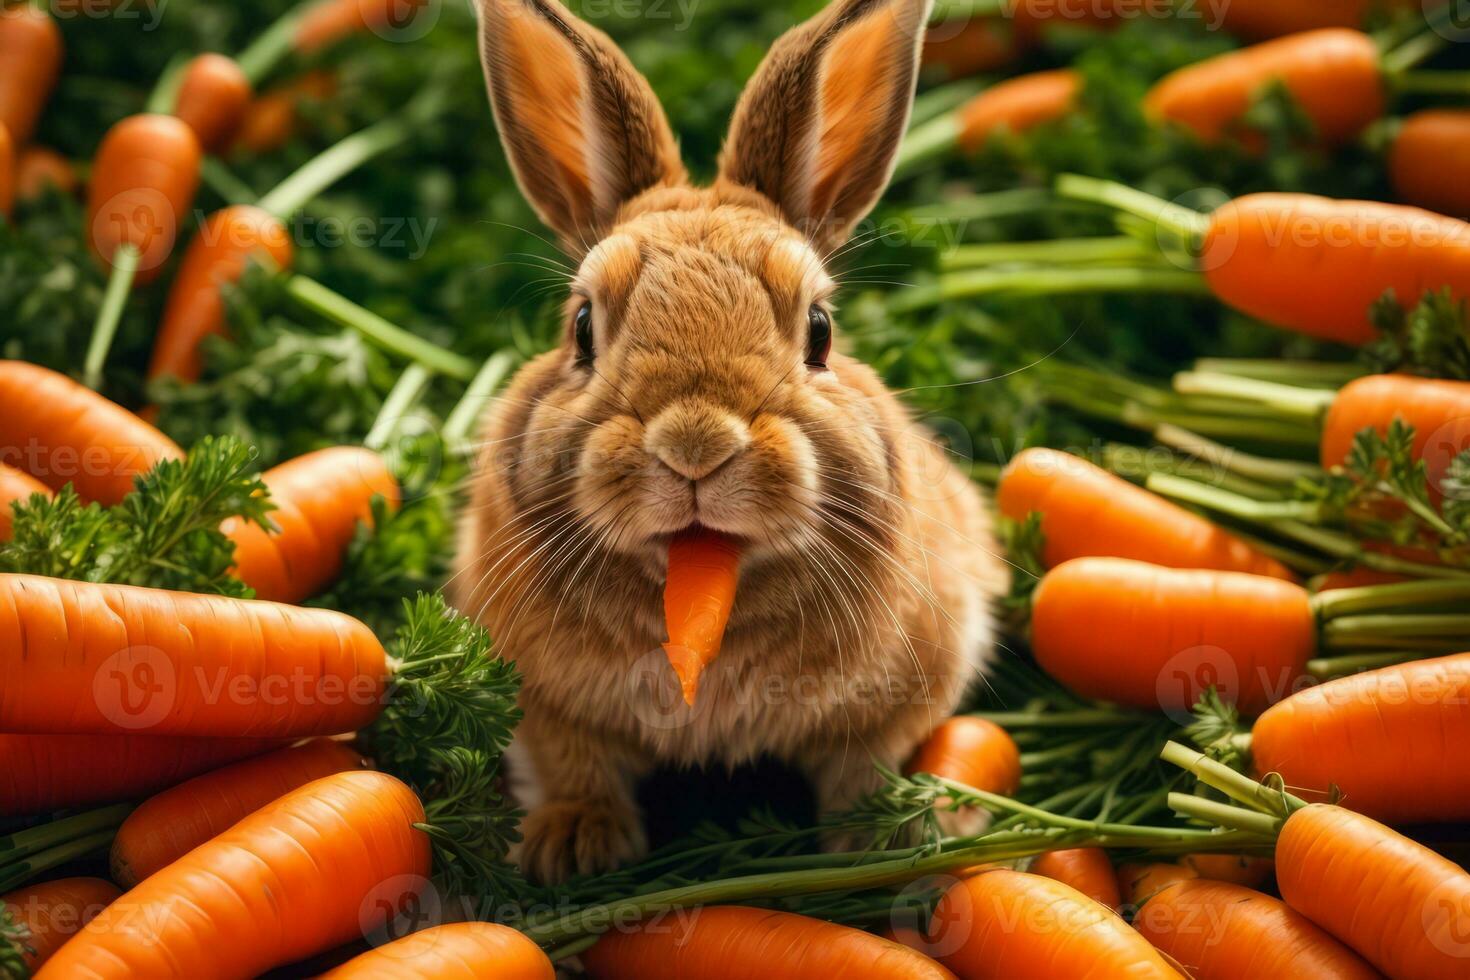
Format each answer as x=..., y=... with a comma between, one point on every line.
x=693, y=440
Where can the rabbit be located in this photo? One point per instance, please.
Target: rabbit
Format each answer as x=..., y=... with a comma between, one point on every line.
x=697, y=384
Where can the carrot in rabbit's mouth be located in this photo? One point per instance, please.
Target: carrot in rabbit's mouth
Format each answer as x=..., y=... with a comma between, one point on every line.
x=704, y=567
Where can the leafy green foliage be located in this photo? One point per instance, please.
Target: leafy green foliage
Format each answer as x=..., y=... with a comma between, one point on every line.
x=1023, y=542
x=1432, y=339
x=14, y=940
x=165, y=534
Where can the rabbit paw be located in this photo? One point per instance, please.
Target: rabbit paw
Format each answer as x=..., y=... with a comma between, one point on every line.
x=566, y=837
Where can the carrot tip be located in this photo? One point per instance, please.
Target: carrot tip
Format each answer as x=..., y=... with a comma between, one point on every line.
x=687, y=665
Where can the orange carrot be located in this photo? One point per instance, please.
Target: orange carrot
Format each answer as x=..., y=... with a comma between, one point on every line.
x=1017, y=104
x=1237, y=869
x=1137, y=883
x=1006, y=924
x=48, y=772
x=317, y=868
x=1334, y=74
x=1387, y=739
x=460, y=951
x=1260, y=19
x=54, y=911
x=212, y=99
x=1086, y=869
x=973, y=751
x=1087, y=511
x=61, y=432
x=320, y=499
x=699, y=591
x=1316, y=265
x=176, y=821
x=1399, y=905
x=83, y=658
x=1429, y=163
x=8, y=169
x=271, y=119
x=1220, y=931
x=729, y=942
x=143, y=183
x=329, y=21
x=216, y=258
x=30, y=50
x=15, y=487
x=1438, y=410
x=1150, y=637
x=36, y=168
x=980, y=44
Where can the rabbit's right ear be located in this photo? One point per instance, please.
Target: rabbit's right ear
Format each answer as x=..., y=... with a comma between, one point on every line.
x=582, y=129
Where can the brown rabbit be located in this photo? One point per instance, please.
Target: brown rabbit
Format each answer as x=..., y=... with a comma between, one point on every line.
x=694, y=385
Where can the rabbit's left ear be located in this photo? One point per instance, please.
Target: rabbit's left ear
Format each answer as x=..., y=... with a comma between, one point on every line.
x=819, y=125
x=582, y=129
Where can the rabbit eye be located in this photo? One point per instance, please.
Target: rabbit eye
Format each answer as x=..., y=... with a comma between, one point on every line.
x=819, y=336
x=582, y=333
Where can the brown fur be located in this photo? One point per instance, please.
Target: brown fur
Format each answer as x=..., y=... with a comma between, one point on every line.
x=868, y=569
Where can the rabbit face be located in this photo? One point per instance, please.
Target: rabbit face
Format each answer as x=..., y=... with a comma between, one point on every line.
x=695, y=384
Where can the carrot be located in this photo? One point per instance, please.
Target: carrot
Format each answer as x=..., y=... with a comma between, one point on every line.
x=1005, y=924
x=729, y=942
x=53, y=911
x=1259, y=19
x=1387, y=739
x=8, y=168
x=1137, y=883
x=30, y=50
x=217, y=256
x=48, y=772
x=973, y=751
x=1086, y=869
x=1087, y=511
x=1335, y=76
x=176, y=821
x=271, y=119
x=699, y=592
x=981, y=44
x=1150, y=637
x=1220, y=931
x=1399, y=905
x=61, y=432
x=1237, y=869
x=1352, y=578
x=320, y=499
x=212, y=99
x=1429, y=162
x=15, y=488
x=36, y=167
x=143, y=183
x=1439, y=412
x=1016, y=105
x=329, y=21
x=460, y=951
x=94, y=658
x=314, y=869
x=1316, y=265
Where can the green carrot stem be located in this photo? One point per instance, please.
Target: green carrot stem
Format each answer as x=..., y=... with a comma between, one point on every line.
x=1067, y=750
x=980, y=207
x=1388, y=597
x=1292, y=558
x=1307, y=374
x=1433, y=82
x=1388, y=630
x=1187, y=225
x=272, y=45
x=1245, y=464
x=1026, y=281
x=1326, y=668
x=342, y=311
x=938, y=101
x=1223, y=815
x=463, y=417
x=119, y=283
x=573, y=948
x=962, y=793
x=1265, y=512
x=1058, y=252
x=1083, y=718
x=54, y=832
x=1239, y=787
x=332, y=164
x=926, y=142
x=1273, y=431
x=963, y=10
x=165, y=94
x=1289, y=401
x=218, y=178
x=15, y=875
x=404, y=394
